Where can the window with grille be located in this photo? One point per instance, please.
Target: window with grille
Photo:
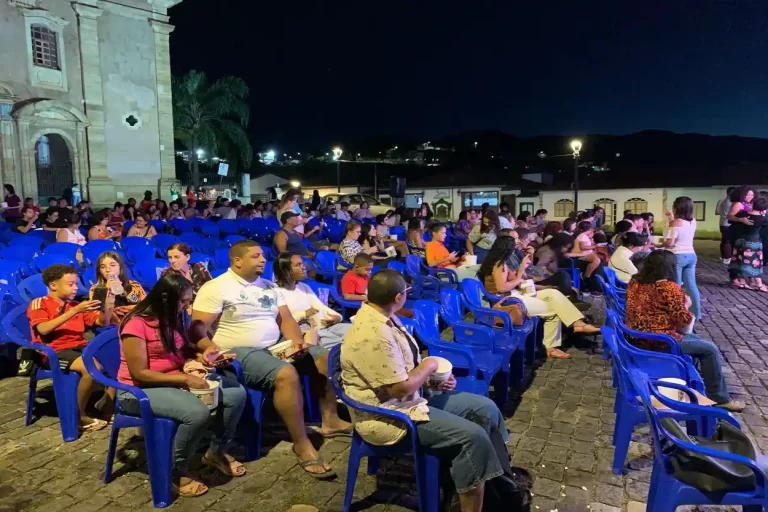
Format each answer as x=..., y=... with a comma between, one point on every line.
x=45, y=47
x=636, y=205
x=563, y=208
x=700, y=210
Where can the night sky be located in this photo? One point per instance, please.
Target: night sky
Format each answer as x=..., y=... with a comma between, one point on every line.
x=325, y=71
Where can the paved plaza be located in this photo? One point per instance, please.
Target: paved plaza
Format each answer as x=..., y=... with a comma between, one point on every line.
x=561, y=429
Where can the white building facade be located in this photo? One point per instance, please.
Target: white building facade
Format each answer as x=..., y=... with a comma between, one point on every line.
x=85, y=97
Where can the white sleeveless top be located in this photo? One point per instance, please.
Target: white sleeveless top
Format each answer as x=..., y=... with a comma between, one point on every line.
x=684, y=235
x=73, y=238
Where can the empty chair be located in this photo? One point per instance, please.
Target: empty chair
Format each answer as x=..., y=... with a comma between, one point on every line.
x=228, y=227
x=207, y=246
x=181, y=226
x=147, y=272
x=140, y=252
x=163, y=242
x=134, y=241
x=93, y=249
x=27, y=241
x=231, y=240
x=210, y=229
x=44, y=261
x=32, y=288
x=325, y=263
x=189, y=238
x=221, y=258
x=65, y=248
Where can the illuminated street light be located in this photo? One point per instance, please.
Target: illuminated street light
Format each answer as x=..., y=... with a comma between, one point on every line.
x=200, y=153
x=271, y=154
x=336, y=156
x=576, y=146
x=295, y=184
x=337, y=153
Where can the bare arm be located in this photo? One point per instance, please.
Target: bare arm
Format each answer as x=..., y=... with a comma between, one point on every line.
x=416, y=379
x=736, y=208
x=288, y=326
x=199, y=327
x=500, y=276
x=29, y=227
x=61, y=236
x=51, y=325
x=135, y=350
x=281, y=242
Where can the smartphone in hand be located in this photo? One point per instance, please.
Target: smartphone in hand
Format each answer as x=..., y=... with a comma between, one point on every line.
x=100, y=293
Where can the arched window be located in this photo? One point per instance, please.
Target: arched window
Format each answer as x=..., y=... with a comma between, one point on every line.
x=562, y=208
x=609, y=205
x=45, y=47
x=636, y=205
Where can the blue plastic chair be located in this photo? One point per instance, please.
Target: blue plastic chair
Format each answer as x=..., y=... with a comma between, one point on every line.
x=250, y=426
x=190, y=238
x=574, y=272
x=159, y=226
x=163, y=242
x=480, y=363
x=398, y=231
x=93, y=249
x=446, y=276
x=133, y=241
x=140, y=253
x=34, y=242
x=426, y=466
x=268, y=271
x=473, y=293
x=48, y=237
x=43, y=261
x=181, y=226
x=216, y=272
x=231, y=240
x=629, y=413
x=158, y=432
x=326, y=263
x=221, y=258
x=32, y=287
x=16, y=328
x=667, y=492
x=207, y=246
x=9, y=281
x=424, y=286
x=20, y=253
x=66, y=248
x=228, y=227
x=210, y=229
x=146, y=271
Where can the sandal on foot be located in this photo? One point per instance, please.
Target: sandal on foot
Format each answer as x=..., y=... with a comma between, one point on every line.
x=347, y=432
x=556, y=353
x=192, y=490
x=323, y=475
x=94, y=426
x=234, y=468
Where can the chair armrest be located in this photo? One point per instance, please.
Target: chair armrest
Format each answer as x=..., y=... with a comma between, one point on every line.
x=691, y=409
x=341, y=301
x=145, y=410
x=674, y=346
x=488, y=316
x=454, y=348
x=453, y=277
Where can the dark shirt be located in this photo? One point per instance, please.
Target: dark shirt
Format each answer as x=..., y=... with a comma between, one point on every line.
x=19, y=224
x=294, y=244
x=739, y=230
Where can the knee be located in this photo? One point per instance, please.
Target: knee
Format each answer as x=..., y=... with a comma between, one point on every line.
x=287, y=376
x=234, y=396
x=475, y=438
x=484, y=410
x=197, y=416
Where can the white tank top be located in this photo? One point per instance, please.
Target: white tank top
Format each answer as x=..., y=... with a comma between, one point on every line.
x=73, y=238
x=684, y=235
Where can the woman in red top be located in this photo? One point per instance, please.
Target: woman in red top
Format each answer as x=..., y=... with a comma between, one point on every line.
x=13, y=203
x=656, y=303
x=153, y=350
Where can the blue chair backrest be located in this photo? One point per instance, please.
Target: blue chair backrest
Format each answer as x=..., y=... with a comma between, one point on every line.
x=141, y=252
x=197, y=257
x=66, y=248
x=9, y=285
x=134, y=241
x=189, y=237
x=146, y=271
x=27, y=241
x=93, y=249
x=233, y=239
x=326, y=260
x=159, y=226
x=207, y=246
x=16, y=325
x=32, y=288
x=409, y=324
x=48, y=237
x=228, y=227
x=210, y=229
x=399, y=231
x=399, y=267
x=316, y=287
x=221, y=258
x=182, y=225
x=268, y=272
x=23, y=253
x=473, y=293
x=216, y=272
x=426, y=314
x=473, y=335
x=43, y=261
x=452, y=305
x=89, y=277
x=413, y=263
x=105, y=348
x=163, y=242
x=610, y=274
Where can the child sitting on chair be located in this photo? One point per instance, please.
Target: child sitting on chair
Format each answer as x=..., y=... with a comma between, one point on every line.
x=55, y=320
x=354, y=284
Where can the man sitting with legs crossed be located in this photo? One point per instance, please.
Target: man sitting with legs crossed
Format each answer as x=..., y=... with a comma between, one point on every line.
x=247, y=315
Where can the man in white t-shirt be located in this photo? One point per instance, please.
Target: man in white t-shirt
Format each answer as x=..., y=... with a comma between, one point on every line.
x=247, y=315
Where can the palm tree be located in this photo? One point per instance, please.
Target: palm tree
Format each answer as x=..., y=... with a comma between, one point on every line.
x=212, y=116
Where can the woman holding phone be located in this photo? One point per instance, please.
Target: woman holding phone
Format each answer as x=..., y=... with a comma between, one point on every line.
x=153, y=350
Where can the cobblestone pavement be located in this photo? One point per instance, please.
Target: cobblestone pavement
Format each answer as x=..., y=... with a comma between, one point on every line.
x=561, y=429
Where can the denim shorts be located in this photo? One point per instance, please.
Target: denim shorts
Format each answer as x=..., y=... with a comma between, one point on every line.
x=260, y=367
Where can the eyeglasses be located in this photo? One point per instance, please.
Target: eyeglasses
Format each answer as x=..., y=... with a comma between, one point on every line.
x=407, y=290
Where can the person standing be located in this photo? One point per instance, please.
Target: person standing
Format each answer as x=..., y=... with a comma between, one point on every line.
x=722, y=208
x=679, y=240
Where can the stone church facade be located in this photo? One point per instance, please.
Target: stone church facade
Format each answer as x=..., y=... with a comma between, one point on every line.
x=85, y=97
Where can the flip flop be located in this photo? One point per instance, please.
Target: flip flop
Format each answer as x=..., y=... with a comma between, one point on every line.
x=225, y=468
x=324, y=475
x=347, y=433
x=185, y=493
x=94, y=426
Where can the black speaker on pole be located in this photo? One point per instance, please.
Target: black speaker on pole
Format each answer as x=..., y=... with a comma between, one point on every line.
x=396, y=187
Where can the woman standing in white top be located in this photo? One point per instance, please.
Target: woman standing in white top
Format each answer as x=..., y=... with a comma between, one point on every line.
x=307, y=309
x=679, y=240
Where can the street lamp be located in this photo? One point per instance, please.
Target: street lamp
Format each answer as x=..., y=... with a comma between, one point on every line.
x=576, y=147
x=336, y=156
x=295, y=184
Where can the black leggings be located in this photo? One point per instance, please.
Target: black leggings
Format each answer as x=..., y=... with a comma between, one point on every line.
x=726, y=246
x=562, y=281
x=591, y=283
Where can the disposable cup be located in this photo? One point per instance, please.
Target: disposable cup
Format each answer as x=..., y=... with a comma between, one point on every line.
x=210, y=396
x=672, y=393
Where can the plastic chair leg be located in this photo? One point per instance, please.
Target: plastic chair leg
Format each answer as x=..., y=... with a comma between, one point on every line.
x=311, y=403
x=250, y=424
x=352, y=467
x=501, y=387
x=373, y=465
x=427, y=482
x=31, y=399
x=65, y=391
x=160, y=461
x=518, y=366
x=111, y=453
x=622, y=435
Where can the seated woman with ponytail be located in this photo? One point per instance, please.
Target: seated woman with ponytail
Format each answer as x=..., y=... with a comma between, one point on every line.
x=549, y=304
x=154, y=349
x=621, y=259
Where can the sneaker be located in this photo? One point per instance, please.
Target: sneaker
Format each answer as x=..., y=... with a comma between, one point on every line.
x=726, y=261
x=732, y=406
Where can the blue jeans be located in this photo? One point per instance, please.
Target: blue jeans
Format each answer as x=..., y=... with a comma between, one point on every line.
x=260, y=367
x=686, y=276
x=458, y=433
x=332, y=335
x=710, y=362
x=193, y=416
